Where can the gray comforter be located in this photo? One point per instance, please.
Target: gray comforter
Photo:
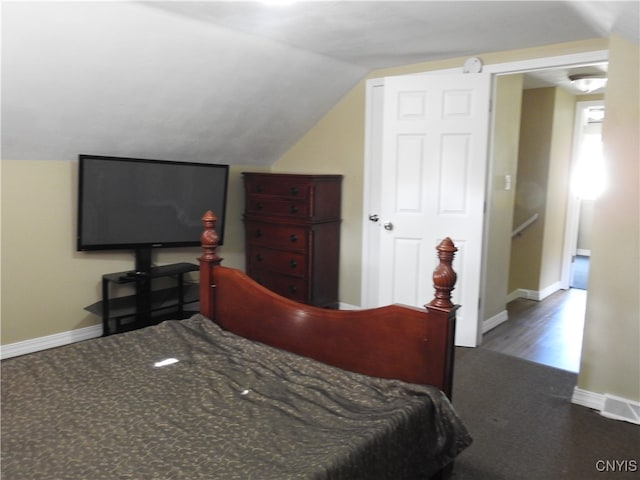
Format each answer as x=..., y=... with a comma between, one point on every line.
x=226, y=409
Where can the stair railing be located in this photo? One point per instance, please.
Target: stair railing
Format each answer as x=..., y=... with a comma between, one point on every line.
x=524, y=225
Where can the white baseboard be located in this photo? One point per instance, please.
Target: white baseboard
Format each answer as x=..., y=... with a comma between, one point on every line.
x=609, y=406
x=536, y=295
x=550, y=290
x=494, y=321
x=49, y=341
x=583, y=252
x=65, y=338
x=587, y=399
x=522, y=293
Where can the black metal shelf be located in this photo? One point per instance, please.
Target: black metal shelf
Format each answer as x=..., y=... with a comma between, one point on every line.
x=121, y=307
x=147, y=306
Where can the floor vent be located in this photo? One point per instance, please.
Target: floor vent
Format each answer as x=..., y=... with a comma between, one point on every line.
x=621, y=409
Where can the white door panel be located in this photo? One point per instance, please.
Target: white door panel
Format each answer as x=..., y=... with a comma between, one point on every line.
x=432, y=185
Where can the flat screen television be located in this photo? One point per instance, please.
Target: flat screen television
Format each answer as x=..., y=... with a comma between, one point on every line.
x=141, y=204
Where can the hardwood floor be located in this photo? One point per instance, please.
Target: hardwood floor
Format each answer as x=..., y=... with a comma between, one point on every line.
x=547, y=332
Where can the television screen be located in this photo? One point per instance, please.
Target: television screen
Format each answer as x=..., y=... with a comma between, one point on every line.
x=128, y=203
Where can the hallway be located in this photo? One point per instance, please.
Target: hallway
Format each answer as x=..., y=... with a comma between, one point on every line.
x=547, y=332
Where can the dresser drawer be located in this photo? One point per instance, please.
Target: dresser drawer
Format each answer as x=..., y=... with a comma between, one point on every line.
x=292, y=234
x=290, y=287
x=281, y=186
x=288, y=237
x=277, y=206
x=288, y=263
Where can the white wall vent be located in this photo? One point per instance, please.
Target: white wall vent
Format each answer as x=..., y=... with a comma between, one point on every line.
x=621, y=409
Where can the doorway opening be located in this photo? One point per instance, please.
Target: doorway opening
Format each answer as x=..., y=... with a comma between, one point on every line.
x=488, y=289
x=547, y=328
x=587, y=183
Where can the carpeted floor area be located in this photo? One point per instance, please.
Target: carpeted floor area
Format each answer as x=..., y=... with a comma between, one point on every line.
x=525, y=427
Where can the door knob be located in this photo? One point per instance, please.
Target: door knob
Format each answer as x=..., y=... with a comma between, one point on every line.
x=374, y=218
x=388, y=226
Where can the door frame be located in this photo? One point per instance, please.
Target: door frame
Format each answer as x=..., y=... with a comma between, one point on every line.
x=520, y=66
x=573, y=202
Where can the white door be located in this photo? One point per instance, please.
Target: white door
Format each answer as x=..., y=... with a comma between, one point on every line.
x=431, y=185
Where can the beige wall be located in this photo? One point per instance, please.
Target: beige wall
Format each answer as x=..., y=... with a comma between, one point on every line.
x=618, y=374
x=611, y=344
x=335, y=146
x=557, y=189
x=567, y=48
x=542, y=188
x=506, y=131
x=533, y=170
x=46, y=283
x=341, y=135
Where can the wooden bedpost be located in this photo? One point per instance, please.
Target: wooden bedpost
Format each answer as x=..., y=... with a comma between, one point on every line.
x=444, y=277
x=208, y=261
x=441, y=307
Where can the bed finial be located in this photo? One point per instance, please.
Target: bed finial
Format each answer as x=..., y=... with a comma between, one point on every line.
x=209, y=238
x=209, y=262
x=444, y=277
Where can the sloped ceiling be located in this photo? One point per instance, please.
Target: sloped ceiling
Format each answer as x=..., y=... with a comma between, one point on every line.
x=236, y=82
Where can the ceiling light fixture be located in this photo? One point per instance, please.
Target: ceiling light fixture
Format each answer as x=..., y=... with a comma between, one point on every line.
x=588, y=82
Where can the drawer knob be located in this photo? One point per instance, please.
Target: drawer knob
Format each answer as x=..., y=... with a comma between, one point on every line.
x=294, y=190
x=259, y=257
x=259, y=188
x=293, y=237
x=258, y=233
x=294, y=209
x=293, y=263
x=259, y=206
x=293, y=289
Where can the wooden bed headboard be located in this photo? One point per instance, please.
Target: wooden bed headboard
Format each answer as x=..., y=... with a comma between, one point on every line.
x=407, y=343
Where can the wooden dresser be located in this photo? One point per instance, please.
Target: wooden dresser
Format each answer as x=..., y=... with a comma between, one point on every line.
x=292, y=234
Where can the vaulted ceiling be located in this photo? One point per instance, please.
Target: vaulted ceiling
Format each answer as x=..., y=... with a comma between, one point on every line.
x=236, y=82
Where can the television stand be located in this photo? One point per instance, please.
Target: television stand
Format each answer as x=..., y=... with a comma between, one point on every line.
x=147, y=306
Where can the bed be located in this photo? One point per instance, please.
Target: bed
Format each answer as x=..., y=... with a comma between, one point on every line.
x=256, y=386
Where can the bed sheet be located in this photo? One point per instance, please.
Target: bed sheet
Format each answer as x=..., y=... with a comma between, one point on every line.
x=188, y=400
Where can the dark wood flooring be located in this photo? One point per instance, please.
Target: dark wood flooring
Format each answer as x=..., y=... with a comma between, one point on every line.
x=547, y=332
